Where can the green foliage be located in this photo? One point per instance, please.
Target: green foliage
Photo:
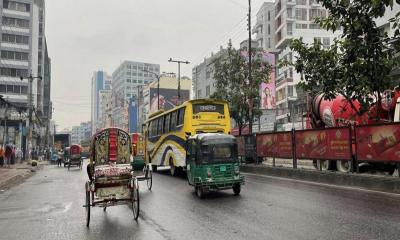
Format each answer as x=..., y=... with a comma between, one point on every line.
x=231, y=82
x=359, y=63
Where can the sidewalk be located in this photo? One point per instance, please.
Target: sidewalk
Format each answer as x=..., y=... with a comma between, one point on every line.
x=16, y=174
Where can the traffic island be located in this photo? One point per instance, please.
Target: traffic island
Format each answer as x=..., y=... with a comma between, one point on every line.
x=364, y=181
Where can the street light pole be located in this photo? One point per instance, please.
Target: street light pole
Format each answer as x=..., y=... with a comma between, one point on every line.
x=30, y=107
x=179, y=74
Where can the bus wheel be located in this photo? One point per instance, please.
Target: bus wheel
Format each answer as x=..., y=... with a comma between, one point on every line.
x=173, y=169
x=343, y=166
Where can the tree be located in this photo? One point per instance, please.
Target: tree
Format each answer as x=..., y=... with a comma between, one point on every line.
x=232, y=85
x=359, y=63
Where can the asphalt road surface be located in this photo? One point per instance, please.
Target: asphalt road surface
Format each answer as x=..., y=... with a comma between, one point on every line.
x=48, y=206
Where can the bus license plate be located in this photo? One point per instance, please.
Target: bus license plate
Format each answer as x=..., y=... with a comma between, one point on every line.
x=222, y=168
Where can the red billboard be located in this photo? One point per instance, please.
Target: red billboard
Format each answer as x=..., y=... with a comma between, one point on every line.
x=284, y=145
x=266, y=145
x=378, y=142
x=329, y=144
x=275, y=145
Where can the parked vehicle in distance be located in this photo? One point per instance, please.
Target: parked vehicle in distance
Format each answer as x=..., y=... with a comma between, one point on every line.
x=75, y=156
x=213, y=163
x=165, y=132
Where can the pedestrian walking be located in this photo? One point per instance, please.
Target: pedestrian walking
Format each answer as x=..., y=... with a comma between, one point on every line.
x=59, y=158
x=1, y=156
x=7, y=155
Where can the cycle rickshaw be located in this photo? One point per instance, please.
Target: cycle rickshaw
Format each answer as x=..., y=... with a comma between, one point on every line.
x=112, y=181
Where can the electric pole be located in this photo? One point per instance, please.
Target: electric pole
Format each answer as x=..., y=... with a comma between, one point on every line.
x=179, y=75
x=249, y=75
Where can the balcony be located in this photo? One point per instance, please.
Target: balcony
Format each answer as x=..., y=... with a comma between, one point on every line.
x=291, y=2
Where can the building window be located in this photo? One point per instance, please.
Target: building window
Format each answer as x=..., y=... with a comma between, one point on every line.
x=128, y=80
x=269, y=29
x=140, y=81
x=301, y=26
x=301, y=2
x=207, y=91
x=17, y=6
x=317, y=40
x=15, y=22
x=289, y=12
x=290, y=91
x=11, y=38
x=269, y=15
x=199, y=93
x=314, y=13
x=326, y=42
x=269, y=42
x=301, y=14
x=13, y=72
x=14, y=55
x=314, y=26
x=289, y=29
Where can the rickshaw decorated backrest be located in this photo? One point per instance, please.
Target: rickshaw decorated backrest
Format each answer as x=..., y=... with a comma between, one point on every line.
x=74, y=149
x=111, y=145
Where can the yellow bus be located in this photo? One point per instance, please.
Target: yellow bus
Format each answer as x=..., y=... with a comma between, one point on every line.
x=166, y=131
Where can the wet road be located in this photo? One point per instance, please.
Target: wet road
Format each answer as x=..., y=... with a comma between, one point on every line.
x=49, y=206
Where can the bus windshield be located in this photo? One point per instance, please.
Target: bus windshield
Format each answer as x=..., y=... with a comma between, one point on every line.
x=218, y=153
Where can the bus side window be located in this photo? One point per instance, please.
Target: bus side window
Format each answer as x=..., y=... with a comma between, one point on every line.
x=173, y=120
x=166, y=125
x=160, y=126
x=181, y=116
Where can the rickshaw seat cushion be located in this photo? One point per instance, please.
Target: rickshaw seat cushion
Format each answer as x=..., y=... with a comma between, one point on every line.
x=113, y=170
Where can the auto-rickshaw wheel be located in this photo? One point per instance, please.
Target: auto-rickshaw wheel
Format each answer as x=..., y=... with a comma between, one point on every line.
x=236, y=189
x=87, y=189
x=199, y=192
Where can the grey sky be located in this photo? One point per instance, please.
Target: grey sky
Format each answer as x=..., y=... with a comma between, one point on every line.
x=88, y=35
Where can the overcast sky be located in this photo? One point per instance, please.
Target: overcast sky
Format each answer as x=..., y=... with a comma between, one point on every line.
x=88, y=35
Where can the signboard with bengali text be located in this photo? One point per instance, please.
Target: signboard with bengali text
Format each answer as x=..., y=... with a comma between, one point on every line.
x=378, y=142
x=330, y=143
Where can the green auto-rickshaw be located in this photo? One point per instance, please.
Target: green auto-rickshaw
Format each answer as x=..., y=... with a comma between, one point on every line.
x=212, y=163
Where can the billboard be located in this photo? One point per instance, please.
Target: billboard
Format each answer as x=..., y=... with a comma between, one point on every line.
x=168, y=98
x=330, y=144
x=278, y=144
x=378, y=142
x=267, y=90
x=132, y=111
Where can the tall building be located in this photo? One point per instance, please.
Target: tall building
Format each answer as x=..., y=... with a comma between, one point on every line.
x=126, y=82
x=100, y=81
x=24, y=53
x=81, y=133
x=202, y=75
x=294, y=19
x=265, y=26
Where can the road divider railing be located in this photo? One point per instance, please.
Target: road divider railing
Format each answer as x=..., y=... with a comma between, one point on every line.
x=363, y=143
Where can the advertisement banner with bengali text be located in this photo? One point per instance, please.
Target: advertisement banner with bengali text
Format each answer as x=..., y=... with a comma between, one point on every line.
x=330, y=144
x=378, y=142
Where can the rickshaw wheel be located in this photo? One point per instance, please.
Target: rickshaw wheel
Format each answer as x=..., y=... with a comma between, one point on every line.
x=135, y=201
x=149, y=178
x=236, y=189
x=87, y=188
x=199, y=192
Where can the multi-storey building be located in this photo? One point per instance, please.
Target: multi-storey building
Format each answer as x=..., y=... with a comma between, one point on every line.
x=127, y=79
x=81, y=133
x=100, y=81
x=202, y=75
x=294, y=19
x=23, y=54
x=105, y=111
x=265, y=26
